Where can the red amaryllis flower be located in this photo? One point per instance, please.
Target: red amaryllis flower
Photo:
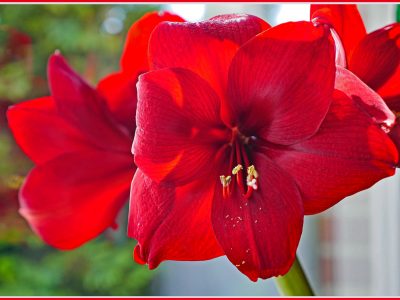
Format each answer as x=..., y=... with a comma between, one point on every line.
x=373, y=57
x=80, y=140
x=238, y=136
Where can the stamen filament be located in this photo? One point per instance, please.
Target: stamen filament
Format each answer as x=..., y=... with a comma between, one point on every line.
x=239, y=175
x=239, y=160
x=225, y=181
x=248, y=193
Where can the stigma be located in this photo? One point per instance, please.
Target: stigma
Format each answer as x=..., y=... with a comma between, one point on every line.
x=252, y=176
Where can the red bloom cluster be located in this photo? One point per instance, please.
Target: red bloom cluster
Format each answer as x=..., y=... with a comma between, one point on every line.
x=373, y=57
x=80, y=140
x=241, y=130
x=241, y=135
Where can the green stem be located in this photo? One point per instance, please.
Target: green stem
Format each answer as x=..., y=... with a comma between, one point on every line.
x=295, y=282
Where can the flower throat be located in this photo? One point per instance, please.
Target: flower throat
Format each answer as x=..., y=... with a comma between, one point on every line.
x=239, y=163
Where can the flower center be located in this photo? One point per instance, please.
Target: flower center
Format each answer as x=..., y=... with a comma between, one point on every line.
x=240, y=163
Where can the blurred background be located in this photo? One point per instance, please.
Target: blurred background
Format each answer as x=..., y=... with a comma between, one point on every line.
x=352, y=249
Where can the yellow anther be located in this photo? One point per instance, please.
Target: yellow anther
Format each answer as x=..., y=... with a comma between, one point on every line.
x=252, y=172
x=225, y=180
x=237, y=169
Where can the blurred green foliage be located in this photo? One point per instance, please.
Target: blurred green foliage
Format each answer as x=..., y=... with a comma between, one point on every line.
x=78, y=31
x=398, y=13
x=15, y=81
x=91, y=37
x=100, y=268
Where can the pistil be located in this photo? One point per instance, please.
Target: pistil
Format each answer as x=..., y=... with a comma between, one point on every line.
x=239, y=168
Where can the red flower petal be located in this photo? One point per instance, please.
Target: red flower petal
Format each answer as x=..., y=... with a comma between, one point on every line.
x=366, y=99
x=171, y=223
x=41, y=132
x=206, y=47
x=348, y=154
x=93, y=118
x=346, y=21
x=119, y=90
x=236, y=27
x=134, y=57
x=74, y=197
x=260, y=235
x=376, y=61
x=178, y=128
x=281, y=82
